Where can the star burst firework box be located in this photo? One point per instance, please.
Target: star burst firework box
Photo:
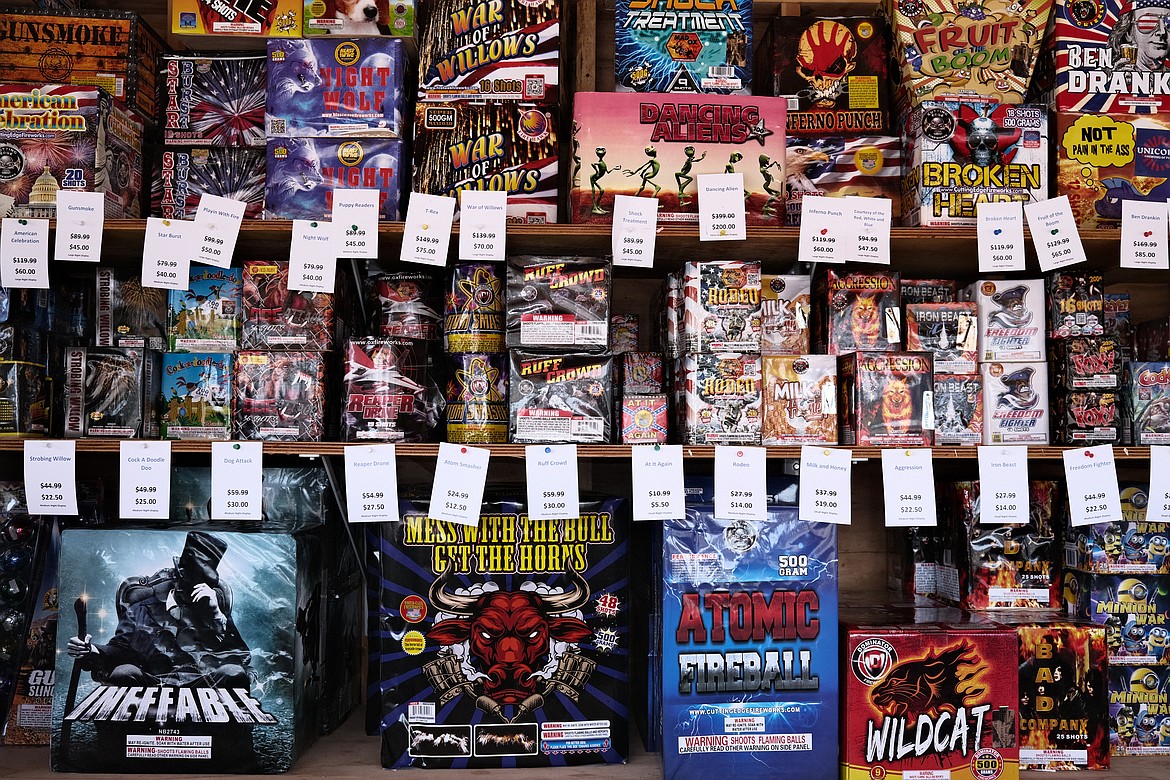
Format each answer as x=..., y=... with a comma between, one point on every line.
x=182, y=176
x=502, y=644
x=870, y=167
x=195, y=396
x=1011, y=319
x=887, y=399
x=657, y=145
x=213, y=100
x=1015, y=403
x=856, y=311
x=800, y=399
x=721, y=310
x=723, y=399
x=302, y=174
x=1139, y=708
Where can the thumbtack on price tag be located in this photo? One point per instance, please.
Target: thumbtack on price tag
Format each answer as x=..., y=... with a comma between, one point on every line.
x=635, y=226
x=483, y=224
x=908, y=484
x=217, y=226
x=427, y=232
x=1000, y=229
x=657, y=475
x=1158, y=507
x=826, y=485
x=165, y=260
x=312, y=265
x=1054, y=233
x=371, y=484
x=1003, y=485
x=1091, y=476
x=553, y=483
x=871, y=228
x=237, y=480
x=823, y=229
x=81, y=218
x=741, y=483
x=1143, y=234
x=355, y=222
x=460, y=475
x=24, y=253
x=50, y=477
x=721, y=207
x=144, y=480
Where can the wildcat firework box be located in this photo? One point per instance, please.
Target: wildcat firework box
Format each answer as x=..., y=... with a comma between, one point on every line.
x=1135, y=610
x=215, y=100
x=886, y=399
x=1015, y=403
x=1146, y=401
x=182, y=176
x=958, y=409
x=1139, y=701
x=784, y=313
x=302, y=174
x=949, y=330
x=853, y=311
x=839, y=167
x=255, y=18
x=800, y=399
x=722, y=398
x=1011, y=319
x=722, y=306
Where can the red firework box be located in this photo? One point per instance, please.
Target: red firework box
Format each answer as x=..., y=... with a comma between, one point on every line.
x=387, y=392
x=1086, y=417
x=623, y=333
x=839, y=167
x=721, y=308
x=949, y=330
x=800, y=399
x=784, y=312
x=260, y=18
x=276, y=317
x=856, y=311
x=213, y=100
x=1076, y=304
x=641, y=372
x=280, y=396
x=181, y=177
x=928, y=291
x=645, y=419
x=886, y=399
x=658, y=145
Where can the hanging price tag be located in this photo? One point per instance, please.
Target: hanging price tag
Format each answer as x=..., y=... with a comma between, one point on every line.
x=50, y=477
x=1158, y=508
x=1003, y=485
x=553, y=485
x=460, y=475
x=427, y=232
x=312, y=266
x=237, y=479
x=144, y=480
x=371, y=484
x=1144, y=228
x=1093, y=494
x=1000, y=229
x=908, y=484
x=721, y=207
x=635, y=225
x=483, y=225
x=217, y=226
x=824, y=230
x=165, y=262
x=81, y=218
x=741, y=483
x=24, y=253
x=826, y=485
x=355, y=223
x=871, y=228
x=657, y=475
x=1054, y=233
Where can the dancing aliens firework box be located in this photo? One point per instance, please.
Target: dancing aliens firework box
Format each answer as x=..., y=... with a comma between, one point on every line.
x=502, y=644
x=182, y=176
x=683, y=46
x=886, y=399
x=213, y=100
x=259, y=18
x=656, y=145
x=1139, y=703
x=302, y=174
x=1135, y=610
x=206, y=316
x=870, y=167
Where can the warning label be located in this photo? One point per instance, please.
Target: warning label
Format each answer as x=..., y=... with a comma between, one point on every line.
x=744, y=743
x=167, y=746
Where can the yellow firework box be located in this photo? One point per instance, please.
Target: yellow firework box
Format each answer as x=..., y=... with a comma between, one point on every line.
x=800, y=401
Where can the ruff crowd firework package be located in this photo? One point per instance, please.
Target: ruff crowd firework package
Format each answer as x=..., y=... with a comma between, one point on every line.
x=800, y=399
x=784, y=311
x=195, y=396
x=1015, y=403
x=958, y=409
x=253, y=18
x=280, y=396
x=302, y=173
x=182, y=176
x=213, y=100
x=1011, y=319
x=103, y=392
x=128, y=314
x=1139, y=698
x=387, y=392
x=948, y=330
x=722, y=306
x=855, y=311
x=502, y=644
x=869, y=167
x=559, y=304
x=1135, y=610
x=722, y=398
x=1146, y=400
x=887, y=399
x=560, y=398
x=206, y=316
x=275, y=317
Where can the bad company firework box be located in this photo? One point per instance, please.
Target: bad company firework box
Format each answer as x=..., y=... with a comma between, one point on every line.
x=302, y=174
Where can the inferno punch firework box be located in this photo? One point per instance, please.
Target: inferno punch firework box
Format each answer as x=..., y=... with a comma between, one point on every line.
x=800, y=399
x=128, y=314
x=657, y=145
x=1076, y=304
x=723, y=401
x=1135, y=610
x=1011, y=319
x=1146, y=400
x=1015, y=403
x=275, y=317
x=560, y=398
x=1130, y=546
x=645, y=419
x=280, y=396
x=238, y=692
x=928, y=291
x=302, y=173
x=103, y=392
x=678, y=46
x=854, y=311
x=503, y=645
x=559, y=303
x=784, y=312
x=196, y=396
x=1139, y=703
x=886, y=399
x=722, y=306
x=213, y=100
x=958, y=409
x=386, y=391
x=259, y=18
x=206, y=316
x=1085, y=363
x=839, y=167
x=949, y=330
x=182, y=176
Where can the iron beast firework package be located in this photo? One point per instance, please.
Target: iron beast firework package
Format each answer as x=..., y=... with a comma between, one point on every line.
x=128, y=314
x=502, y=644
x=1011, y=319
x=800, y=399
x=887, y=399
x=182, y=176
x=473, y=314
x=275, y=317
x=213, y=100
x=683, y=46
x=206, y=316
x=1135, y=610
x=560, y=398
x=103, y=392
x=958, y=409
x=723, y=398
x=477, y=399
x=387, y=393
x=559, y=303
x=405, y=305
x=928, y=291
x=1076, y=304
x=302, y=173
x=1139, y=703
x=196, y=396
x=722, y=306
x=784, y=312
x=1146, y=399
x=280, y=396
x=1015, y=403
x=838, y=167
x=1130, y=546
x=948, y=330
x=856, y=311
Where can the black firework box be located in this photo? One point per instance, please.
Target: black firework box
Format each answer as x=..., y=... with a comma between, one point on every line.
x=24, y=344
x=1086, y=363
x=1076, y=304
x=25, y=400
x=405, y=304
x=856, y=311
x=195, y=396
x=387, y=391
x=206, y=316
x=128, y=314
x=928, y=291
x=473, y=312
x=1011, y=319
x=503, y=644
x=1146, y=399
x=259, y=18
x=1117, y=322
x=837, y=167
x=958, y=409
x=641, y=373
x=184, y=175
x=645, y=419
x=722, y=308
x=560, y=398
x=722, y=398
x=1139, y=702
x=1016, y=407
x=213, y=99
x=280, y=396
x=103, y=395
x=477, y=398
x=948, y=330
x=1128, y=546
x=559, y=303
x=1151, y=339
x=886, y=399
x=784, y=313
x=1134, y=609
x=1086, y=417
x=800, y=399
x=623, y=333
x=301, y=175
x=277, y=318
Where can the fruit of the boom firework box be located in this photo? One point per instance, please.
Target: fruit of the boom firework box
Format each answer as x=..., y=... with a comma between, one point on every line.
x=501, y=645
x=302, y=174
x=1015, y=403
x=1146, y=401
x=1130, y=545
x=258, y=18
x=1135, y=610
x=683, y=46
x=800, y=399
x=1139, y=711
x=238, y=692
x=489, y=50
x=103, y=392
x=182, y=176
x=886, y=399
x=870, y=166
x=784, y=313
x=930, y=698
x=560, y=398
x=280, y=396
x=277, y=318
x=195, y=396
x=128, y=314
x=854, y=311
x=722, y=306
x=958, y=409
x=658, y=145
x=213, y=100
x=723, y=398
x=949, y=330
x=1011, y=319
x=749, y=646
x=360, y=17
x=205, y=317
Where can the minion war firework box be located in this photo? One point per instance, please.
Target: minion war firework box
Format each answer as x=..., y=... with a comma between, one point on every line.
x=722, y=306
x=657, y=146
x=683, y=46
x=886, y=399
x=500, y=645
x=196, y=396
x=723, y=398
x=1130, y=546
x=206, y=316
x=560, y=398
x=213, y=100
x=302, y=173
x=838, y=167
x=1135, y=610
x=259, y=18
x=182, y=176
x=1011, y=319
x=854, y=311
x=1015, y=403
x=800, y=399
x=1139, y=711
x=1146, y=401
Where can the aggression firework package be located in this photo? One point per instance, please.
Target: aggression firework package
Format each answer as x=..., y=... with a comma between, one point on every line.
x=498, y=147
x=1015, y=403
x=1135, y=610
x=280, y=396
x=560, y=398
x=213, y=100
x=368, y=17
x=252, y=18
x=502, y=645
x=723, y=398
x=275, y=317
x=477, y=399
x=645, y=419
x=128, y=314
x=336, y=87
x=205, y=317
x=25, y=400
x=237, y=692
x=473, y=313
x=641, y=373
x=722, y=308
x=784, y=311
x=559, y=303
x=1146, y=400
x=800, y=399
x=301, y=175
x=948, y=330
x=958, y=409
x=103, y=394
x=1130, y=546
x=961, y=154
x=1076, y=304
x=405, y=305
x=1011, y=319
x=837, y=167
x=1086, y=363
x=196, y=395
x=623, y=333
x=182, y=176
x=680, y=46
x=928, y=291
x=855, y=311
x=1086, y=417
x=387, y=393
x=887, y=399
x=1139, y=699
x=658, y=145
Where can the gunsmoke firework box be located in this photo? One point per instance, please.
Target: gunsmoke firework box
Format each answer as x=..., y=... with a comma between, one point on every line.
x=800, y=399
x=723, y=398
x=1146, y=397
x=473, y=314
x=1076, y=304
x=749, y=646
x=958, y=409
x=559, y=303
x=886, y=399
x=1130, y=546
x=128, y=314
x=1139, y=700
x=477, y=399
x=948, y=330
x=196, y=396
x=560, y=398
x=839, y=167
x=856, y=311
x=103, y=392
x=25, y=400
x=928, y=291
x=206, y=316
x=367, y=17
x=1135, y=610
x=275, y=317
x=645, y=419
x=784, y=310
x=1011, y=319
x=1085, y=363
x=302, y=174
x=722, y=307
x=657, y=145
x=182, y=176
x=387, y=394
x=405, y=305
x=213, y=100
x=1015, y=403
x=680, y=46
x=501, y=645
x=260, y=18
x=280, y=396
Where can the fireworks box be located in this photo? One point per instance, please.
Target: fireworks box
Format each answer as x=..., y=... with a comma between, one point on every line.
x=498, y=147
x=958, y=409
x=645, y=419
x=183, y=176
x=302, y=173
x=1117, y=323
x=670, y=335
x=196, y=396
x=206, y=316
x=800, y=399
x=1146, y=400
x=405, y=305
x=784, y=312
x=477, y=398
x=948, y=330
x=1139, y=700
x=57, y=137
x=238, y=693
x=103, y=392
x=1151, y=339
x=1011, y=319
x=560, y=398
x=1015, y=403
x=368, y=17
x=722, y=308
x=1085, y=363
x=559, y=303
x=128, y=314
x=557, y=590
x=658, y=145
x=498, y=51
x=623, y=333
x=708, y=48
x=723, y=401
x=275, y=317
x=1135, y=609
x=928, y=291
x=473, y=309
x=387, y=392
x=1085, y=417
x=213, y=100
x=641, y=372
x=1131, y=546
x=840, y=167
x=280, y=396
x=259, y=18
x=1076, y=304
x=25, y=344
x=887, y=399
x=855, y=311
x=962, y=153
x=25, y=400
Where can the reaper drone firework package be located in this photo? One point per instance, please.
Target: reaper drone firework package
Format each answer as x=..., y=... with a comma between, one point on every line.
x=387, y=393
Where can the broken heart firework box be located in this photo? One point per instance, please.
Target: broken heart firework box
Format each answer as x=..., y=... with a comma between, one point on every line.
x=128, y=314
x=1076, y=304
x=722, y=307
x=681, y=46
x=1131, y=545
x=958, y=409
x=749, y=646
x=206, y=316
x=405, y=305
x=800, y=399
x=182, y=176
x=280, y=396
x=477, y=399
x=196, y=396
x=948, y=330
x=645, y=419
x=784, y=311
x=103, y=392
x=502, y=644
x=928, y=291
x=473, y=314
x=559, y=303
x=886, y=399
x=275, y=317
x=560, y=398
x=1146, y=400
x=1015, y=403
x=1139, y=704
x=723, y=398
x=386, y=391
x=1086, y=363
x=869, y=167
x=302, y=173
x=1085, y=417
x=856, y=311
x=215, y=100
x=1135, y=610
x=259, y=18
x=657, y=146
x=1011, y=319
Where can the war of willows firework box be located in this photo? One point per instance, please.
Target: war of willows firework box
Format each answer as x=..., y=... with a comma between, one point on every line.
x=182, y=176
x=196, y=396
x=205, y=317
x=302, y=173
x=838, y=167
x=1011, y=319
x=560, y=398
x=800, y=399
x=1015, y=403
x=854, y=311
x=1135, y=610
x=784, y=313
x=958, y=409
x=722, y=307
x=502, y=644
x=280, y=396
x=886, y=399
x=948, y=330
x=722, y=398
x=259, y=18
x=213, y=100
x=1139, y=706
x=1146, y=399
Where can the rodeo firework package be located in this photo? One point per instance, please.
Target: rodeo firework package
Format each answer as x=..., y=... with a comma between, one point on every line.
x=1135, y=610
x=25, y=400
x=196, y=396
x=206, y=316
x=840, y=167
x=302, y=173
x=502, y=645
x=680, y=46
x=1011, y=319
x=275, y=317
x=182, y=176
x=1130, y=546
x=560, y=398
x=887, y=399
x=855, y=311
x=103, y=392
x=1076, y=304
x=723, y=398
x=387, y=392
x=477, y=398
x=784, y=312
x=128, y=314
x=948, y=330
x=800, y=399
x=559, y=303
x=280, y=396
x=645, y=419
x=213, y=100
x=1015, y=403
x=928, y=291
x=958, y=409
x=722, y=306
x=1146, y=401
x=255, y=18
x=405, y=305
x=1085, y=363
x=1139, y=699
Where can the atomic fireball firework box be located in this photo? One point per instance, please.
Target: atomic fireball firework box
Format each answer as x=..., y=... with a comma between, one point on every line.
x=657, y=145
x=560, y=398
x=128, y=314
x=1146, y=401
x=215, y=100
x=1011, y=319
x=722, y=306
x=502, y=644
x=206, y=316
x=182, y=176
x=838, y=167
x=886, y=398
x=1130, y=546
x=958, y=409
x=275, y=317
x=948, y=330
x=103, y=394
x=559, y=303
x=1015, y=403
x=800, y=399
x=856, y=311
x=387, y=392
x=1135, y=610
x=259, y=18
x=784, y=312
x=196, y=396
x=723, y=398
x=280, y=396
x=1076, y=304
x=302, y=173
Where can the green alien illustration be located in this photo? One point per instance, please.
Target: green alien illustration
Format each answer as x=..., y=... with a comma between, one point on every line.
x=731, y=161
x=648, y=171
x=767, y=162
x=599, y=170
x=683, y=177
x=576, y=154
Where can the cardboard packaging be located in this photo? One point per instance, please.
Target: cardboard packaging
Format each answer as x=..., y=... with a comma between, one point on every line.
x=405, y=305
x=25, y=400
x=800, y=399
x=128, y=314
x=856, y=311
x=387, y=391
x=1130, y=546
x=477, y=399
x=560, y=398
x=276, y=318
x=103, y=394
x=1086, y=363
x=1138, y=698
x=302, y=174
x=1011, y=319
x=1076, y=304
x=213, y=100
x=280, y=396
x=206, y=316
x=1135, y=610
x=262, y=18
x=182, y=176
x=1146, y=399
x=642, y=373
x=196, y=394
x=948, y=330
x=958, y=409
x=645, y=419
x=723, y=399
x=624, y=333
x=559, y=304
x=1086, y=417
x=870, y=167
x=370, y=17
x=473, y=313
x=886, y=399
x=928, y=291
x=784, y=313
x=1015, y=403
x=722, y=306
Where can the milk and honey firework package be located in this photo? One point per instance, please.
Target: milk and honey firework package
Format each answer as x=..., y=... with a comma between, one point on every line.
x=784, y=313
x=886, y=399
x=800, y=399
x=560, y=398
x=559, y=304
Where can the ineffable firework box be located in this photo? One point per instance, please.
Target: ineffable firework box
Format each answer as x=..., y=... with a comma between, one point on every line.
x=1139, y=698
x=182, y=176
x=302, y=174
x=213, y=100
x=256, y=18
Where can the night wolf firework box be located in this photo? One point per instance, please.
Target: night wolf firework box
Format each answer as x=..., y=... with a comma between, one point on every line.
x=213, y=100
x=182, y=176
x=502, y=644
x=302, y=173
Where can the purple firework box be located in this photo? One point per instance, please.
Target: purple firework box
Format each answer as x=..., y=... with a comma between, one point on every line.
x=183, y=176
x=213, y=99
x=302, y=174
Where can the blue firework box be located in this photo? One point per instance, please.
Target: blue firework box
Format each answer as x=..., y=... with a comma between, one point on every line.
x=1134, y=608
x=499, y=645
x=206, y=316
x=301, y=174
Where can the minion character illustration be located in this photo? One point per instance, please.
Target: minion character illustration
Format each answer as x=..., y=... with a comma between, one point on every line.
x=1143, y=680
x=1132, y=591
x=1123, y=726
x=1164, y=733
x=1113, y=634
x=1133, y=547
x=1134, y=639
x=1156, y=549
x=1145, y=731
x=1156, y=640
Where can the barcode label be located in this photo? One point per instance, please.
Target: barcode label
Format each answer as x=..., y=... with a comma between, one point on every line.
x=592, y=333
x=421, y=712
x=591, y=428
x=721, y=71
x=793, y=104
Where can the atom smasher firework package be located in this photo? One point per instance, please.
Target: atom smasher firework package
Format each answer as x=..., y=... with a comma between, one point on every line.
x=502, y=644
x=103, y=392
x=213, y=100
x=182, y=176
x=559, y=303
x=561, y=398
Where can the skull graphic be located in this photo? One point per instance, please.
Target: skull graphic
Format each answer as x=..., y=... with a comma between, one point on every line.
x=983, y=141
x=825, y=55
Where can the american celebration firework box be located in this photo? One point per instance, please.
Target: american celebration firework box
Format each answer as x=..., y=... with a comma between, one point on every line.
x=280, y=396
x=854, y=311
x=949, y=330
x=213, y=100
x=128, y=314
x=206, y=316
x=1011, y=319
x=1076, y=304
x=387, y=392
x=1146, y=399
x=275, y=317
x=559, y=304
x=1015, y=403
x=1139, y=699
x=800, y=399
x=103, y=394
x=302, y=173
x=503, y=645
x=258, y=18
x=838, y=167
x=886, y=399
x=784, y=313
x=722, y=307
x=723, y=398
x=958, y=409
x=560, y=398
x=1135, y=610
x=182, y=176
x=657, y=146
x=196, y=396
x=1129, y=546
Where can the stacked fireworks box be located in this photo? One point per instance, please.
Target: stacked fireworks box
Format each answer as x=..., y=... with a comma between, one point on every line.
x=1145, y=386
x=642, y=415
x=31, y=342
x=473, y=337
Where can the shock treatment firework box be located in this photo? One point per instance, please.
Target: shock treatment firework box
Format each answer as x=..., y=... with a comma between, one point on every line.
x=258, y=18
x=886, y=399
x=838, y=167
x=856, y=311
x=800, y=399
x=302, y=174
x=1139, y=708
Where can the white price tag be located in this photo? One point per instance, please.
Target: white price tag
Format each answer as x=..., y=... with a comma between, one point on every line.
x=1158, y=508
x=165, y=258
x=81, y=218
x=635, y=226
x=1143, y=234
x=741, y=483
x=50, y=477
x=826, y=491
x=1054, y=233
x=553, y=483
x=371, y=484
x=237, y=479
x=355, y=223
x=824, y=230
x=1093, y=494
x=871, y=226
x=721, y=207
x=483, y=225
x=144, y=480
x=426, y=234
x=312, y=266
x=908, y=484
x=6, y=204
x=217, y=226
x=1000, y=230
x=460, y=475
x=657, y=475
x=24, y=253
x=1003, y=485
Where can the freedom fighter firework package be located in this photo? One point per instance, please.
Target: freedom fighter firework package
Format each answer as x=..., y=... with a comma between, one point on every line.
x=1139, y=698
x=336, y=87
x=721, y=311
x=237, y=693
x=1011, y=319
x=280, y=396
x=560, y=398
x=473, y=314
x=206, y=316
x=501, y=645
x=213, y=100
x=302, y=173
x=1135, y=610
x=196, y=394
x=103, y=392
x=958, y=409
x=182, y=176
x=749, y=646
x=405, y=305
x=387, y=393
x=681, y=46
x=800, y=399
x=645, y=419
x=254, y=18
x=784, y=309
x=25, y=400
x=1076, y=304
x=839, y=167
x=1146, y=398
x=128, y=314
x=1085, y=363
x=275, y=317
x=723, y=398
x=928, y=291
x=1015, y=403
x=1131, y=546
x=886, y=399
x=559, y=303
x=658, y=145
x=855, y=311
x=948, y=330
x=477, y=399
